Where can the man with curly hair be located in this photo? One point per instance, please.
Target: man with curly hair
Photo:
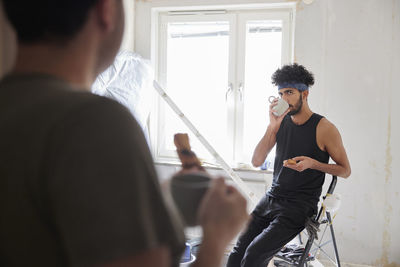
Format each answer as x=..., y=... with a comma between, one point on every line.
x=304, y=143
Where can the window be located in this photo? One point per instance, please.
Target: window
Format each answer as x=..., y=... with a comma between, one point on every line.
x=217, y=66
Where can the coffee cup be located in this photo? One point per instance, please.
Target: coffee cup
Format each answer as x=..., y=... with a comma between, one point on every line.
x=281, y=106
x=187, y=191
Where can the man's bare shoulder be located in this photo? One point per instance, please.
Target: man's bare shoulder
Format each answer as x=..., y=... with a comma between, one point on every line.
x=327, y=133
x=326, y=127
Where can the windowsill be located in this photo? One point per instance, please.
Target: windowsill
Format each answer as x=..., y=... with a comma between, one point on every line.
x=209, y=166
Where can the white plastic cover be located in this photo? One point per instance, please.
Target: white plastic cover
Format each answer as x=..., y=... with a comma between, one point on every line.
x=332, y=202
x=129, y=81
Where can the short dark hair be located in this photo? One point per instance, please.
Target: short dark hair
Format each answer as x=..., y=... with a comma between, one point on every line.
x=44, y=20
x=293, y=73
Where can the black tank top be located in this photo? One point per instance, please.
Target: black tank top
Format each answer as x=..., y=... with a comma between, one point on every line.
x=298, y=140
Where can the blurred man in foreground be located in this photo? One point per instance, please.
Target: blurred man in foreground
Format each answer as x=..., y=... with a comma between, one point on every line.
x=77, y=181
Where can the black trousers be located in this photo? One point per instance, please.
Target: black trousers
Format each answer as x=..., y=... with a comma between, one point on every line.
x=274, y=223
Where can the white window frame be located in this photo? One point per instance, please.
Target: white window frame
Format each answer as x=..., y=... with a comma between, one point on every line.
x=164, y=20
x=287, y=55
x=237, y=16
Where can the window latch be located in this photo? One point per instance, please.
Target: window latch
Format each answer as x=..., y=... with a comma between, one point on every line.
x=240, y=90
x=230, y=89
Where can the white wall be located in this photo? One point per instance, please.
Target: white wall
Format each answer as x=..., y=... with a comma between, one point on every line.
x=128, y=42
x=353, y=47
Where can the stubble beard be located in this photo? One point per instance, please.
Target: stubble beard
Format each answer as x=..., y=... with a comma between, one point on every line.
x=297, y=107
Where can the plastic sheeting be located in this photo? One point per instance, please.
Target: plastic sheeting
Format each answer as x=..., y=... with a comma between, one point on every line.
x=129, y=81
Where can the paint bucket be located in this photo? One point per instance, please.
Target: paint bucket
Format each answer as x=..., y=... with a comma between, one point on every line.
x=187, y=257
x=332, y=203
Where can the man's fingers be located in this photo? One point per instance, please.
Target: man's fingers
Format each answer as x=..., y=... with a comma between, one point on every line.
x=284, y=114
x=299, y=158
x=234, y=195
x=230, y=189
x=218, y=184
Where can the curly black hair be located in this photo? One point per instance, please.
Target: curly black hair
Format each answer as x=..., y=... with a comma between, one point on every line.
x=38, y=20
x=293, y=73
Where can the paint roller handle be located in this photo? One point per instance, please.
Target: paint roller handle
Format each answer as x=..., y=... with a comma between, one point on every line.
x=187, y=157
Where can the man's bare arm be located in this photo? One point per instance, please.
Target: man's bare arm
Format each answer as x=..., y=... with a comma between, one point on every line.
x=333, y=144
x=211, y=254
x=268, y=141
x=222, y=214
x=328, y=139
x=156, y=257
x=263, y=147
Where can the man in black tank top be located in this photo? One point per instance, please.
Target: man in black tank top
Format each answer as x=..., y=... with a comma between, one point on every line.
x=304, y=143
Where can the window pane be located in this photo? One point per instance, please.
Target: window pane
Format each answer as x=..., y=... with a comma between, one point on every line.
x=197, y=78
x=262, y=58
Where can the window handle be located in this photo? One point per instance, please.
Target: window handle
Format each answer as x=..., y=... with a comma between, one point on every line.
x=230, y=89
x=240, y=90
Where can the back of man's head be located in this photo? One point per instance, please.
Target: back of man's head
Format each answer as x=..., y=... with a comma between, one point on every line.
x=47, y=20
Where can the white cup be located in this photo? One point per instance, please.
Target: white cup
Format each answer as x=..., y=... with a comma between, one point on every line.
x=187, y=190
x=280, y=107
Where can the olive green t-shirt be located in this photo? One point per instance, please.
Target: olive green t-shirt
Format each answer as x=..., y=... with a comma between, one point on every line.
x=77, y=180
